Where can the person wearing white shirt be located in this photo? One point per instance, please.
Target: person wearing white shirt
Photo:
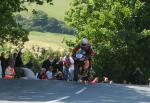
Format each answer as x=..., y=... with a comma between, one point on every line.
x=68, y=65
x=49, y=73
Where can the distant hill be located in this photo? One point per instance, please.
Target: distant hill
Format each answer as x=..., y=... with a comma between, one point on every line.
x=57, y=10
x=52, y=40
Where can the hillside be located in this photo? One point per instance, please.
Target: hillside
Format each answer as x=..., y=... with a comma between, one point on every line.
x=52, y=40
x=57, y=10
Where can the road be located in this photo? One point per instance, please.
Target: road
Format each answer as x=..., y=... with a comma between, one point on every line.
x=38, y=91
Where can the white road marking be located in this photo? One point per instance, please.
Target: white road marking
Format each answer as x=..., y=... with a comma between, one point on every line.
x=57, y=100
x=66, y=97
x=80, y=91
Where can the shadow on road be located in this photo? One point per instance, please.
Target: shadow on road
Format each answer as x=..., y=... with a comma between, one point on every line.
x=48, y=91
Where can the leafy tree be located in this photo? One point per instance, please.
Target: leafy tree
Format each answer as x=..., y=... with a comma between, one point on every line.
x=10, y=31
x=24, y=22
x=115, y=28
x=40, y=18
x=41, y=22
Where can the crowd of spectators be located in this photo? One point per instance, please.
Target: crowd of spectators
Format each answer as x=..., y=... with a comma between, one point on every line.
x=61, y=68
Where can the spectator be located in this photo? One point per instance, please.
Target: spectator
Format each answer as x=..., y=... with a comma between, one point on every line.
x=106, y=80
x=9, y=72
x=2, y=58
x=42, y=74
x=8, y=61
x=47, y=63
x=68, y=67
x=55, y=65
x=14, y=58
x=0, y=70
x=18, y=62
x=49, y=73
x=138, y=76
x=59, y=76
x=60, y=64
x=11, y=60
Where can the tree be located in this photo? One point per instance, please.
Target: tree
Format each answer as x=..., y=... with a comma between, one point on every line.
x=10, y=31
x=114, y=27
x=40, y=18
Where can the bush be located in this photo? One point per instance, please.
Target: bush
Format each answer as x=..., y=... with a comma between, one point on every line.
x=39, y=56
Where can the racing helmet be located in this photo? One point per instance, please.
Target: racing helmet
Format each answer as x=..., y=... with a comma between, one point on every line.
x=84, y=42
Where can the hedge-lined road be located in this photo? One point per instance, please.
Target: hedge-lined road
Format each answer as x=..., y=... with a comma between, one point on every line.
x=37, y=91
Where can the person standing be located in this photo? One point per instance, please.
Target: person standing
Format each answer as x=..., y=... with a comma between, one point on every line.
x=68, y=67
x=138, y=76
x=47, y=63
x=0, y=70
x=3, y=60
x=18, y=61
x=60, y=64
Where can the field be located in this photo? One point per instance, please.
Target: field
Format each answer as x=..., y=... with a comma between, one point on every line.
x=46, y=40
x=57, y=10
x=51, y=40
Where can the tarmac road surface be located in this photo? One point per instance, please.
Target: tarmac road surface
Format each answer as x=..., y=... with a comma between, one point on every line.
x=44, y=91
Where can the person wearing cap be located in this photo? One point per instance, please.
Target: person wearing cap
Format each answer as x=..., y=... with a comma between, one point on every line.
x=86, y=50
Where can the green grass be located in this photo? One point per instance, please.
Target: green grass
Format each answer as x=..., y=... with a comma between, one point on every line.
x=57, y=10
x=46, y=40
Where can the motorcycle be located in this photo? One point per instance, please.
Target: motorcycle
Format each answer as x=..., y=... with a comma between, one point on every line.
x=82, y=65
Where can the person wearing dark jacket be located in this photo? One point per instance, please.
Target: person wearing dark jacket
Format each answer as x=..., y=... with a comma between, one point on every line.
x=47, y=63
x=18, y=62
x=138, y=76
x=2, y=58
x=60, y=64
x=17, y=66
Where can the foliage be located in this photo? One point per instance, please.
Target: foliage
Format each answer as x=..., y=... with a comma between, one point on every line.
x=56, y=11
x=10, y=31
x=38, y=59
x=37, y=55
x=41, y=22
x=118, y=31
